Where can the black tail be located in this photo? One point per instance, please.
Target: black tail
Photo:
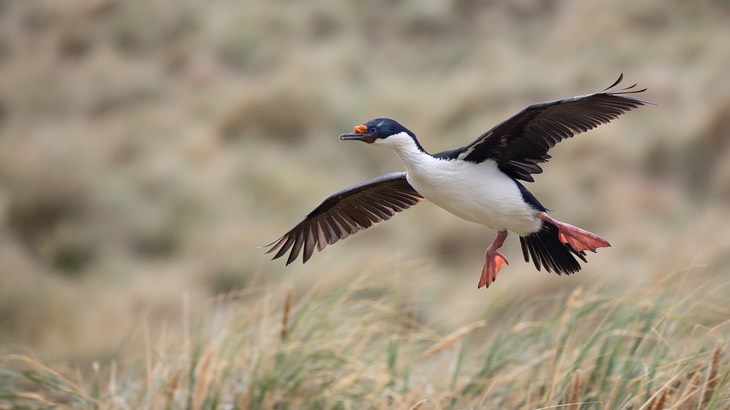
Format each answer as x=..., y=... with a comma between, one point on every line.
x=545, y=249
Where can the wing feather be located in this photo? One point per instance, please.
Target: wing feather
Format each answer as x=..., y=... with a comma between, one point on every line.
x=520, y=143
x=344, y=213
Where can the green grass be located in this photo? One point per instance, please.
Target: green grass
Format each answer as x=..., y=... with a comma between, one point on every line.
x=339, y=348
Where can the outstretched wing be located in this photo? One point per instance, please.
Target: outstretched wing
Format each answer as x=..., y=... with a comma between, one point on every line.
x=520, y=143
x=346, y=212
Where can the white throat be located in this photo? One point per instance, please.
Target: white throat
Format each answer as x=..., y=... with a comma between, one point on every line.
x=406, y=148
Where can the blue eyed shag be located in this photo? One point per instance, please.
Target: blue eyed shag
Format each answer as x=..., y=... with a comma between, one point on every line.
x=479, y=182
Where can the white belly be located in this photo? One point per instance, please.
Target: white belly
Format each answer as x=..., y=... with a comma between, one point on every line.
x=475, y=192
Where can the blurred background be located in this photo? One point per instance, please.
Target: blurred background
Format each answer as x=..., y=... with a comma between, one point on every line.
x=148, y=148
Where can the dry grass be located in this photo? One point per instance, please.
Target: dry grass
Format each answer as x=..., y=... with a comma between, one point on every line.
x=154, y=147
x=148, y=148
x=642, y=350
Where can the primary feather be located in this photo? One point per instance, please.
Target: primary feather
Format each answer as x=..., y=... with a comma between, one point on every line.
x=521, y=142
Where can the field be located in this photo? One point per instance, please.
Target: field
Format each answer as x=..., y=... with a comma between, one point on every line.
x=148, y=150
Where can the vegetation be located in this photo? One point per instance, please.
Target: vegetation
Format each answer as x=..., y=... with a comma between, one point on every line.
x=335, y=348
x=147, y=148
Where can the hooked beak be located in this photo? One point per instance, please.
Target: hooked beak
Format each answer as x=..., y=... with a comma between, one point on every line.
x=360, y=134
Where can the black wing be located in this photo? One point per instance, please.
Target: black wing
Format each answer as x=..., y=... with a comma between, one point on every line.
x=519, y=144
x=349, y=211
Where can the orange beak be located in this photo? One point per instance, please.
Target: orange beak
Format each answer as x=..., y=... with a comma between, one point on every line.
x=360, y=133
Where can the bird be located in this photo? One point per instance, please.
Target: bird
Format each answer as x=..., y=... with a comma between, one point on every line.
x=481, y=182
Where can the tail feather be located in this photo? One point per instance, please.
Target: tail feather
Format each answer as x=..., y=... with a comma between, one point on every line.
x=546, y=249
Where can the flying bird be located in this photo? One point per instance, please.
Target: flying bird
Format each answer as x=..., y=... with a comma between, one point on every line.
x=480, y=182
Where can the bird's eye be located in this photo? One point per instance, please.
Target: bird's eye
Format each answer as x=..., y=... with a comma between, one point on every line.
x=373, y=130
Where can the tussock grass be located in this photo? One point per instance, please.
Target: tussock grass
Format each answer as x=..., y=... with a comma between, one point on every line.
x=339, y=348
x=148, y=148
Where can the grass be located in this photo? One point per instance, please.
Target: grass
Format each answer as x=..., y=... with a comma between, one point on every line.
x=339, y=348
x=148, y=148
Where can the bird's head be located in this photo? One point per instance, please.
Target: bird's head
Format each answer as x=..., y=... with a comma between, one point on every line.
x=380, y=131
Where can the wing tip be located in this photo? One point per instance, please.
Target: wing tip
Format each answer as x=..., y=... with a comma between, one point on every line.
x=271, y=247
x=615, y=83
x=631, y=89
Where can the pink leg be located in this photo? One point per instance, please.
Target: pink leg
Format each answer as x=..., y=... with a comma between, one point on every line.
x=494, y=260
x=577, y=238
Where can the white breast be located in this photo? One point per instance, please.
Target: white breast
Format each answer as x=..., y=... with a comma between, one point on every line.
x=478, y=193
